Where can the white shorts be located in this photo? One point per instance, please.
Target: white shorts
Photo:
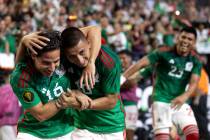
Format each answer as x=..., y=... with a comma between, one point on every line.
x=8, y=132
x=131, y=116
x=26, y=136
x=164, y=116
x=83, y=134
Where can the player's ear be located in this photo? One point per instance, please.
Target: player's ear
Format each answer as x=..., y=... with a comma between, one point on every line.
x=176, y=38
x=194, y=45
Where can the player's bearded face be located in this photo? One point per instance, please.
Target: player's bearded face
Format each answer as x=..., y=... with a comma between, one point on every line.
x=47, y=62
x=185, y=42
x=79, y=55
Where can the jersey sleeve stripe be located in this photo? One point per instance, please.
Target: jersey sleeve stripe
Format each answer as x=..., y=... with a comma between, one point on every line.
x=106, y=59
x=194, y=54
x=23, y=79
x=20, y=81
x=166, y=49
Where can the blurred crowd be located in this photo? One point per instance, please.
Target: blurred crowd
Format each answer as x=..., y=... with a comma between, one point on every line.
x=137, y=25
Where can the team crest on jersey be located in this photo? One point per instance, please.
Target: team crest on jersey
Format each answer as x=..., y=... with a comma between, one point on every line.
x=188, y=66
x=28, y=97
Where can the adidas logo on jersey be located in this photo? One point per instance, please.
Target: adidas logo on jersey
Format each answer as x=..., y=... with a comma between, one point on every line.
x=171, y=61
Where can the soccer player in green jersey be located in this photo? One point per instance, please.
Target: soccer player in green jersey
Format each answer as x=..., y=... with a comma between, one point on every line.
x=176, y=67
x=104, y=119
x=38, y=82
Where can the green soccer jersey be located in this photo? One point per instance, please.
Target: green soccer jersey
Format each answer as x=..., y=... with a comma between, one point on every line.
x=108, y=69
x=31, y=88
x=173, y=72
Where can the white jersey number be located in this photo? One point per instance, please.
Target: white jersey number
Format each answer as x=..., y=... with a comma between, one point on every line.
x=175, y=72
x=56, y=91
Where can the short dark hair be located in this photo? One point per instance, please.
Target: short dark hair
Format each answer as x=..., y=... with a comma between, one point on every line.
x=127, y=52
x=53, y=44
x=71, y=36
x=189, y=30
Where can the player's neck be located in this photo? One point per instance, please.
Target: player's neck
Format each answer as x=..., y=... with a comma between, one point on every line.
x=184, y=54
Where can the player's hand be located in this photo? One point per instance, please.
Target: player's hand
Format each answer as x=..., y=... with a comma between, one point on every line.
x=88, y=75
x=179, y=101
x=67, y=100
x=34, y=40
x=84, y=100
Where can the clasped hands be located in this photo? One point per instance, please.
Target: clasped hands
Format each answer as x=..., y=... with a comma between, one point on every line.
x=74, y=99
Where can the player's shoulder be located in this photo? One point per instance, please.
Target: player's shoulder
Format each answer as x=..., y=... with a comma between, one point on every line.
x=165, y=49
x=22, y=75
x=108, y=58
x=194, y=54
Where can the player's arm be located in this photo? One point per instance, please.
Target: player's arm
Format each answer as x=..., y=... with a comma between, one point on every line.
x=93, y=35
x=105, y=103
x=30, y=42
x=43, y=112
x=136, y=67
x=109, y=86
x=32, y=103
x=144, y=73
x=151, y=59
x=74, y=99
x=132, y=81
x=178, y=101
x=192, y=85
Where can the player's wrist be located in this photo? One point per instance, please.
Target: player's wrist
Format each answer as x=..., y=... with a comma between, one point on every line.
x=90, y=107
x=58, y=106
x=91, y=61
